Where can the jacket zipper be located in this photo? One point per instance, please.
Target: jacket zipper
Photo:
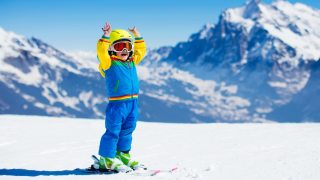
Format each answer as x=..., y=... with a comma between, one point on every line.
x=131, y=80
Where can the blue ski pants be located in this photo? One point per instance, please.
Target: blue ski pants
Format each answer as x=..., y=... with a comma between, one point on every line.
x=121, y=120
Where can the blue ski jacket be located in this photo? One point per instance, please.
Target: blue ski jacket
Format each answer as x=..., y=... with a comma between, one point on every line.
x=120, y=75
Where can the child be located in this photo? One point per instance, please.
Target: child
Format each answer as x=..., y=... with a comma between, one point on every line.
x=118, y=62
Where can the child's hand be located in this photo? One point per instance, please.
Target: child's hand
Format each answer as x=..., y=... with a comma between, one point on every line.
x=107, y=30
x=135, y=32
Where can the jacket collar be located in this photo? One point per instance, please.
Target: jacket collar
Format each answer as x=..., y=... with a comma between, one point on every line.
x=119, y=58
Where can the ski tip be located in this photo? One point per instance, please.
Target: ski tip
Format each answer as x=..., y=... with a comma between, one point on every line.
x=95, y=158
x=157, y=172
x=174, y=169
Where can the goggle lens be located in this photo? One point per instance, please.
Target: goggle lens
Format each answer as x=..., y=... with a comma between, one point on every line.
x=121, y=45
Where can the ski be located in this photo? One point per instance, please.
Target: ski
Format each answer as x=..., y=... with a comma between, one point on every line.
x=92, y=170
x=151, y=172
x=143, y=171
x=140, y=172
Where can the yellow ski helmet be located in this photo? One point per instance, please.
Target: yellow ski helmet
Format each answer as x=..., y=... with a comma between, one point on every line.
x=120, y=34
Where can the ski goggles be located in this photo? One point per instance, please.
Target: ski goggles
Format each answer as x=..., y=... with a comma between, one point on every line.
x=120, y=46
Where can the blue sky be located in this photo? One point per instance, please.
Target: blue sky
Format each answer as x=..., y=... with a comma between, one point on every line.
x=76, y=25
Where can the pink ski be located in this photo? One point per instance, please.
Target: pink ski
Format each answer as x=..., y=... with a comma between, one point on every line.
x=151, y=172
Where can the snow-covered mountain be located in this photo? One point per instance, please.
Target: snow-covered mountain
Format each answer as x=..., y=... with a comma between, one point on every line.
x=258, y=64
x=37, y=78
x=259, y=59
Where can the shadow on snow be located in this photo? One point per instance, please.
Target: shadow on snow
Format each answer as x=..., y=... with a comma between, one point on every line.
x=26, y=172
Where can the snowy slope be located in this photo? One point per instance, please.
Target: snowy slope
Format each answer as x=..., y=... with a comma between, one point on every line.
x=50, y=148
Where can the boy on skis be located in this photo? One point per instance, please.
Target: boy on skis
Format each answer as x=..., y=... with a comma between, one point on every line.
x=118, y=62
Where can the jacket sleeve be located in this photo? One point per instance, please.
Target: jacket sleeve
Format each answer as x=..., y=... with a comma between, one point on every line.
x=103, y=55
x=139, y=50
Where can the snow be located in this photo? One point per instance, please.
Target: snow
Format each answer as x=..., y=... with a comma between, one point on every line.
x=205, y=30
x=236, y=16
x=33, y=78
x=264, y=110
x=85, y=97
x=57, y=97
x=35, y=71
x=219, y=98
x=9, y=46
x=307, y=21
x=85, y=59
x=277, y=19
x=278, y=84
x=51, y=148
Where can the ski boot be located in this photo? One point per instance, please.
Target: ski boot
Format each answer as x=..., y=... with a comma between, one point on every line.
x=128, y=161
x=112, y=164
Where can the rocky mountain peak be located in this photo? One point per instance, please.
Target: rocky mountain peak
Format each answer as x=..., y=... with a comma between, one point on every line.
x=256, y=2
x=250, y=10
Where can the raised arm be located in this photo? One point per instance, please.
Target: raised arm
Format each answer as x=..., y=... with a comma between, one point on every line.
x=139, y=46
x=102, y=50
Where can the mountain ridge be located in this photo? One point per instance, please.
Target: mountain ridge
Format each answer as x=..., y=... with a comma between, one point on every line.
x=243, y=48
x=243, y=69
